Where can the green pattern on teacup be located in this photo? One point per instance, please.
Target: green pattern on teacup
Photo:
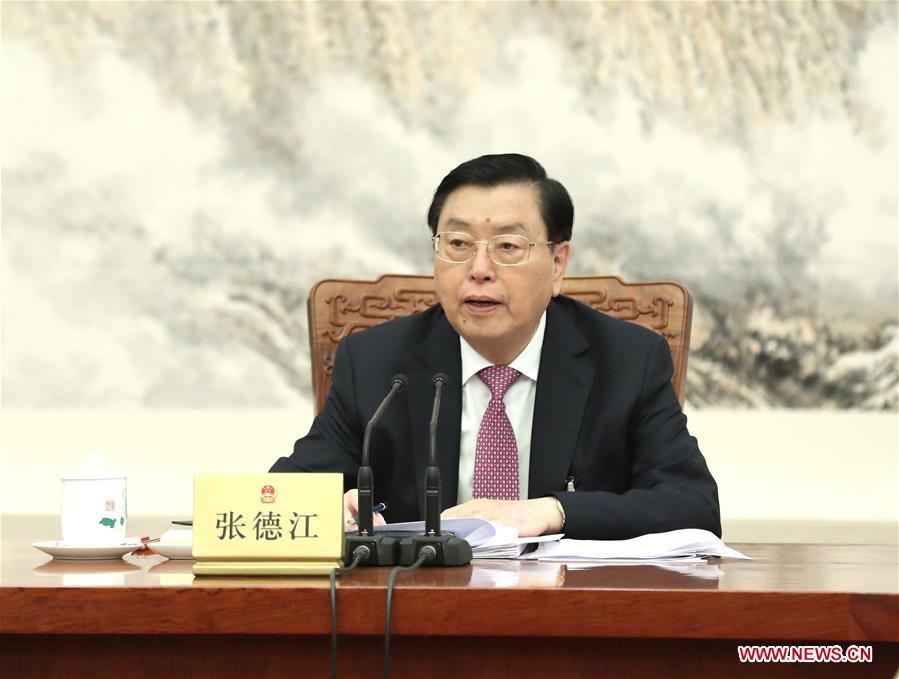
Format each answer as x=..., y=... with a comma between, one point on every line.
x=122, y=520
x=109, y=523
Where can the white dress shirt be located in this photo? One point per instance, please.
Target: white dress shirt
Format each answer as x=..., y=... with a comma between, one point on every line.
x=519, y=402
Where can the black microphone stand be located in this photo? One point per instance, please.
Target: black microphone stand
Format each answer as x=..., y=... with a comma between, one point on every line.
x=383, y=548
x=451, y=549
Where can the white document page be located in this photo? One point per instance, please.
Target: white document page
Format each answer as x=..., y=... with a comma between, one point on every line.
x=687, y=543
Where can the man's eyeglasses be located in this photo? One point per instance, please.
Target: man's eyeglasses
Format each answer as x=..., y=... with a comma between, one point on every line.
x=506, y=250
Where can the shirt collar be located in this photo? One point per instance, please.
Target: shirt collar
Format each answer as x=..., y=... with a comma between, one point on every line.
x=527, y=362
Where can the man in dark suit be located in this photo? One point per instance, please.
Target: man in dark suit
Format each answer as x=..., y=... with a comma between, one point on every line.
x=555, y=418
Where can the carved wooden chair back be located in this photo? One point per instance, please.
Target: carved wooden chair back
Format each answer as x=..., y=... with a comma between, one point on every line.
x=339, y=307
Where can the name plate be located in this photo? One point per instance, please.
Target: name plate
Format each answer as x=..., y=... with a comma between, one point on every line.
x=267, y=524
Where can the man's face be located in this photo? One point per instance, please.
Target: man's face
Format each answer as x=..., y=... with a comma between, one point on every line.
x=497, y=308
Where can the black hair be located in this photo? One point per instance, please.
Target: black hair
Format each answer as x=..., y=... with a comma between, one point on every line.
x=556, y=207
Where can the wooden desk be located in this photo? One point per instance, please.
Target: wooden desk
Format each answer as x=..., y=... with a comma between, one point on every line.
x=145, y=616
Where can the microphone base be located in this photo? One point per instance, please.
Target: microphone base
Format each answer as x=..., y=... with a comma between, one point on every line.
x=451, y=549
x=385, y=549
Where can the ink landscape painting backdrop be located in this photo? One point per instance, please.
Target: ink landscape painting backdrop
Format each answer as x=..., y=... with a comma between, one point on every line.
x=176, y=176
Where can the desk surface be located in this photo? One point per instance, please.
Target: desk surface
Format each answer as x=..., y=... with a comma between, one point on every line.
x=496, y=619
x=807, y=592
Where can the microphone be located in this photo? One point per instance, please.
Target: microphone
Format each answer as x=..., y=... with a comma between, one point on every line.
x=432, y=472
x=451, y=549
x=382, y=548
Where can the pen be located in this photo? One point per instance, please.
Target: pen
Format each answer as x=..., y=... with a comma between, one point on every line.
x=380, y=507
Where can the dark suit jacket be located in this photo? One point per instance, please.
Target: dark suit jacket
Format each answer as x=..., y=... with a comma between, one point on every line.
x=605, y=413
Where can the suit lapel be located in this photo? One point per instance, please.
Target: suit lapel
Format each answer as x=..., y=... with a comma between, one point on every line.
x=563, y=386
x=438, y=352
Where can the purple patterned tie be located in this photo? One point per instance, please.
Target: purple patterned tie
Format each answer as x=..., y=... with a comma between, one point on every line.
x=496, y=454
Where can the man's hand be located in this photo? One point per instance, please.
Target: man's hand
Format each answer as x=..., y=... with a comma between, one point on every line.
x=351, y=511
x=539, y=516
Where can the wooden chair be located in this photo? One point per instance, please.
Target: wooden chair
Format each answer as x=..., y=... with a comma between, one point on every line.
x=339, y=307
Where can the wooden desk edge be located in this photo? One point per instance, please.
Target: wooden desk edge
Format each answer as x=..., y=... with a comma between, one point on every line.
x=453, y=612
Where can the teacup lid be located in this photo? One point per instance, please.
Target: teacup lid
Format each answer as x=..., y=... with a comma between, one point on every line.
x=93, y=471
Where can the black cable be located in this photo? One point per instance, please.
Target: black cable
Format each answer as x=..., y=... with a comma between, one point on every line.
x=359, y=555
x=425, y=554
x=334, y=624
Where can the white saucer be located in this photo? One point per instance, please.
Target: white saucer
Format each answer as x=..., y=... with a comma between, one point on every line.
x=60, y=550
x=172, y=550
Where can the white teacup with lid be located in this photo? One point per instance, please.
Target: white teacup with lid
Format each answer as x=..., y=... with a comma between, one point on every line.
x=94, y=505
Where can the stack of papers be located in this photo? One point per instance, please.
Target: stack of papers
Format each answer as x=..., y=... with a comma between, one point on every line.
x=491, y=540
x=488, y=540
x=685, y=545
